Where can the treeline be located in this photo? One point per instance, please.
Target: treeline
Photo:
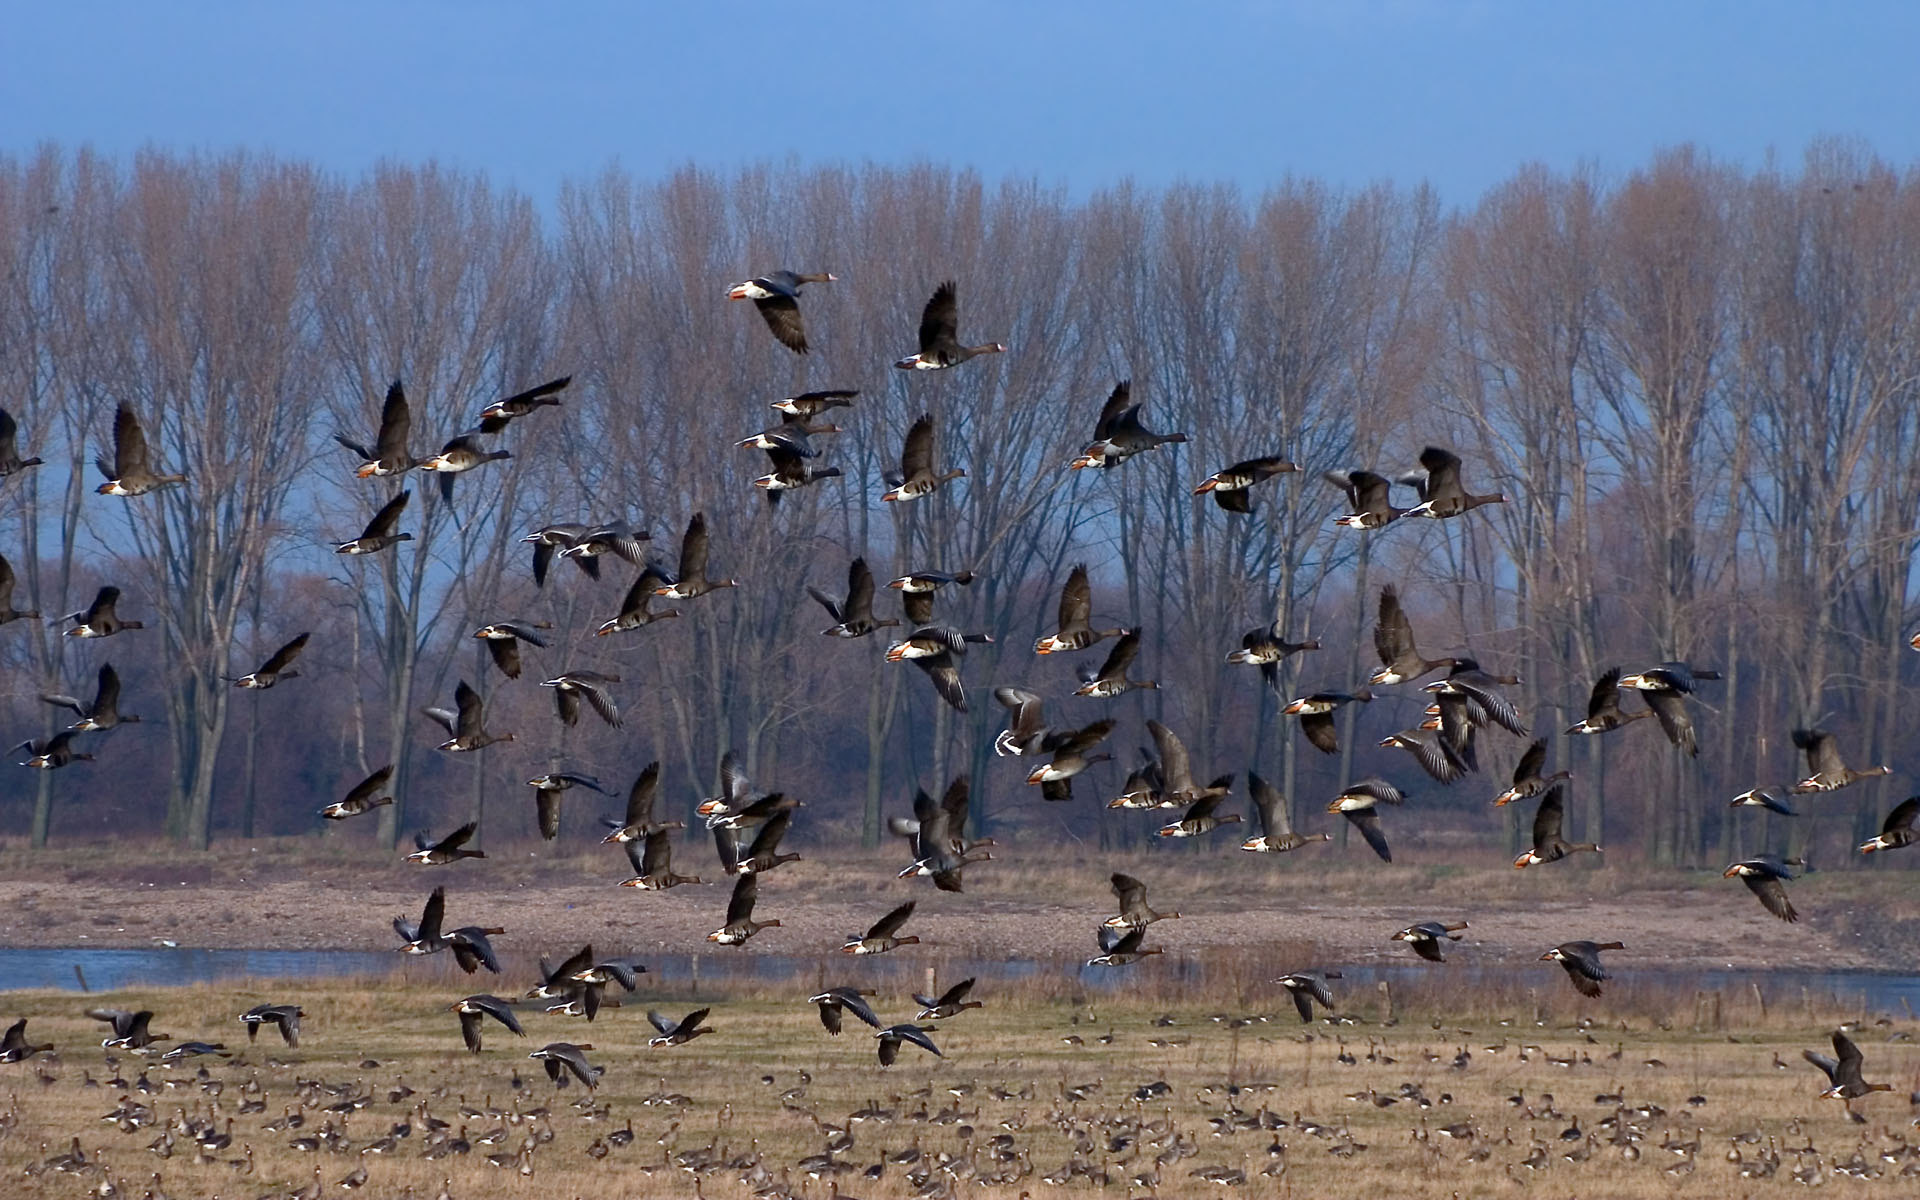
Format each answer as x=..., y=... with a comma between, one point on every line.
x=1695, y=384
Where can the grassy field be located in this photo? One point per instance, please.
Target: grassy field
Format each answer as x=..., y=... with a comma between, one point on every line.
x=1150, y=1088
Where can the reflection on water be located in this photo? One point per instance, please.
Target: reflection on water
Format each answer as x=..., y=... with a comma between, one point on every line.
x=1874, y=993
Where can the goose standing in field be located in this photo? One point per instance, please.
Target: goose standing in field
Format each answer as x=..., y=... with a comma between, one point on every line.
x=1438, y=483
x=1199, y=818
x=891, y=1037
x=1316, y=716
x=1528, y=782
x=936, y=649
x=1119, y=433
x=639, y=822
x=1076, y=608
x=546, y=794
x=1483, y=689
x=835, y=1001
x=1356, y=803
x=561, y=1057
x=1401, y=660
x=473, y=1008
x=378, y=535
x=283, y=1017
x=812, y=404
x=1230, y=486
x=635, y=609
x=10, y=461
x=571, y=687
x=853, y=617
x=883, y=935
x=1828, y=773
x=940, y=336
x=459, y=455
x=1266, y=648
x=277, y=667
x=937, y=831
x=1120, y=948
x=104, y=712
x=740, y=923
x=1111, y=679
x=1369, y=496
x=129, y=473
x=677, y=1033
x=1432, y=751
x=917, y=476
x=763, y=853
x=7, y=611
x=692, y=579
x=1898, y=829
x=1276, y=827
x=364, y=797
x=1026, y=722
x=503, y=640
x=653, y=867
x=1135, y=912
x=1763, y=798
x=1428, y=939
x=14, y=1046
x=1307, y=987
x=1844, y=1071
x=130, y=1029
x=389, y=454
x=496, y=416
x=777, y=295
x=467, y=725
x=1766, y=877
x=1548, y=844
x=1582, y=962
x=51, y=753
x=448, y=849
x=947, y=1005
x=1068, y=749
x=99, y=619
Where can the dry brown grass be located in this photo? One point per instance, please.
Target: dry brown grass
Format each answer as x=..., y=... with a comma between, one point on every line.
x=1521, y=1034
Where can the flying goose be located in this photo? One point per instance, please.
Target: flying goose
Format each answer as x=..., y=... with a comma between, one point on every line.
x=634, y=610
x=1026, y=722
x=891, y=1037
x=1145, y=786
x=130, y=1029
x=1483, y=689
x=812, y=404
x=740, y=923
x=1455, y=720
x=1843, y=1071
x=692, y=580
x=546, y=795
x=570, y=687
x=789, y=469
x=940, y=849
x=677, y=1033
x=447, y=850
x=1441, y=494
x=277, y=667
x=1676, y=676
x=1898, y=829
x=378, y=534
x=1369, y=497
x=1432, y=751
x=1068, y=749
x=51, y=753
x=561, y=1057
x=1076, y=608
x=503, y=640
x=129, y=473
x=1316, y=716
x=1120, y=948
x=1230, y=486
x=653, y=868
x=1276, y=827
x=736, y=790
x=1603, y=707
x=1135, y=913
x=1401, y=660
x=639, y=820
x=1265, y=648
x=615, y=537
x=104, y=712
x=1428, y=939
x=14, y=1046
x=940, y=337
x=99, y=619
x=835, y=1001
x=472, y=1008
x=935, y=649
x=1199, y=818
x=467, y=725
x=497, y=415
x=1111, y=679
x=777, y=295
x=1828, y=773
x=1766, y=877
x=425, y=937
x=10, y=460
x=1528, y=782
x=853, y=617
x=551, y=540
x=917, y=476
x=763, y=809
x=1176, y=772
x=1356, y=803
x=1548, y=844
x=763, y=853
x=1763, y=798
x=947, y=1005
x=559, y=981
x=1306, y=987
x=389, y=454
x=1582, y=962
x=284, y=1017
x=472, y=950
x=793, y=434
x=363, y=797
x=7, y=611
x=1119, y=434
x=916, y=582
x=882, y=935
x=459, y=455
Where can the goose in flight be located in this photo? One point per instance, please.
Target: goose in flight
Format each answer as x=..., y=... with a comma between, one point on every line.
x=1276, y=827
x=1582, y=962
x=940, y=346
x=277, y=667
x=1428, y=939
x=500, y=413
x=389, y=454
x=1766, y=877
x=835, y=1001
x=378, y=534
x=364, y=797
x=129, y=473
x=467, y=725
x=777, y=295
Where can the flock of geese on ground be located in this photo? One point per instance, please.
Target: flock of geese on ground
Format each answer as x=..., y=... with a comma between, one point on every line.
x=1468, y=702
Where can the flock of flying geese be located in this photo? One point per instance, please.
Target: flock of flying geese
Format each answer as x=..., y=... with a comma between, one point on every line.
x=748, y=827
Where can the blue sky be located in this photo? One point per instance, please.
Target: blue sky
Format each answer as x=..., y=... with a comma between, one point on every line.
x=1078, y=94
